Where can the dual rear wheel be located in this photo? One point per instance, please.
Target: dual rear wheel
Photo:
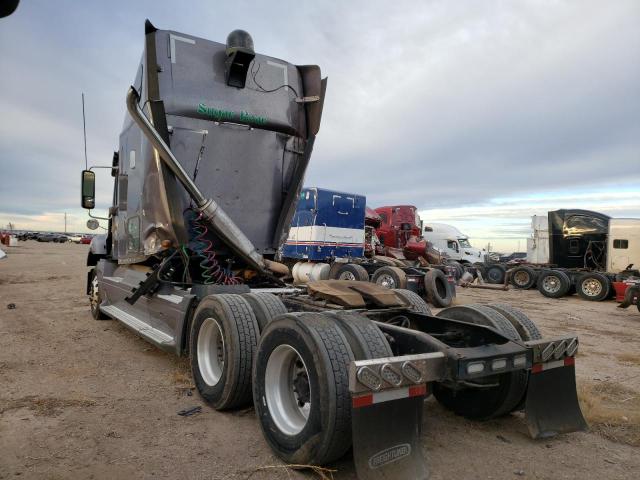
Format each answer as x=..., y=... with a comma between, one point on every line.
x=299, y=381
x=296, y=369
x=496, y=395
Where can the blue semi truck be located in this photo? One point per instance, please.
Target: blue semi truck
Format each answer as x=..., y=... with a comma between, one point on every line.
x=327, y=225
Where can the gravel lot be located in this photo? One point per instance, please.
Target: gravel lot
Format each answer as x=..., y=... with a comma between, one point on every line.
x=86, y=399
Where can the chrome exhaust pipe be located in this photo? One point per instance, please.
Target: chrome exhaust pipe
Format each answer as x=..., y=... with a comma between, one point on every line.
x=217, y=218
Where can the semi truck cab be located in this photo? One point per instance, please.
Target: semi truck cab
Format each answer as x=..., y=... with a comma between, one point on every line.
x=452, y=242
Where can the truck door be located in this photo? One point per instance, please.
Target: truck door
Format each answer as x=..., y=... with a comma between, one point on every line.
x=304, y=220
x=384, y=232
x=453, y=249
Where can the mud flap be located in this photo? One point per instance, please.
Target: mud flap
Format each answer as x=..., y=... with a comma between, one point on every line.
x=386, y=437
x=552, y=400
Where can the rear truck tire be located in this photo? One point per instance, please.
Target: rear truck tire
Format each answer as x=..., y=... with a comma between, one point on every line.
x=525, y=327
x=436, y=287
x=224, y=335
x=365, y=339
x=350, y=271
x=265, y=306
x=414, y=301
x=491, y=402
x=495, y=274
x=301, y=388
x=390, y=277
x=523, y=277
x=554, y=283
x=95, y=300
x=522, y=323
x=593, y=286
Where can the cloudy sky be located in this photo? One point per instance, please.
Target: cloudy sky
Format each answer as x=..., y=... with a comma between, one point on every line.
x=479, y=113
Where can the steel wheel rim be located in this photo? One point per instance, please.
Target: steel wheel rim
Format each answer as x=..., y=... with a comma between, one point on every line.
x=386, y=280
x=346, y=276
x=592, y=287
x=551, y=284
x=289, y=407
x=494, y=274
x=521, y=278
x=211, y=351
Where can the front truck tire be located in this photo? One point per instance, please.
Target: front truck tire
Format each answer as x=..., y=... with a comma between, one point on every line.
x=490, y=402
x=223, y=340
x=390, y=277
x=301, y=388
x=349, y=271
x=95, y=299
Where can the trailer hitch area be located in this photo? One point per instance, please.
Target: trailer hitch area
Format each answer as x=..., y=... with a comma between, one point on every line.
x=552, y=405
x=387, y=404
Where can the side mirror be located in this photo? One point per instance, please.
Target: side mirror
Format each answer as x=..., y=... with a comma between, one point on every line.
x=88, y=189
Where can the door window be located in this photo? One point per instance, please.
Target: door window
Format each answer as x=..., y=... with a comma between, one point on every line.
x=574, y=246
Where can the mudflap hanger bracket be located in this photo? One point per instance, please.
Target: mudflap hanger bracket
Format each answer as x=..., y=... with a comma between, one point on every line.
x=552, y=405
x=387, y=403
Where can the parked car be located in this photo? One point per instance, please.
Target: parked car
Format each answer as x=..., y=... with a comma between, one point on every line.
x=45, y=237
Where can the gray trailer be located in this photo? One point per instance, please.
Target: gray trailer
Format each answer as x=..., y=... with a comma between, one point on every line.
x=212, y=156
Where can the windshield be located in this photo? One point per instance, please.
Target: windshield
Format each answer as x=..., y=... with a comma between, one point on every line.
x=464, y=243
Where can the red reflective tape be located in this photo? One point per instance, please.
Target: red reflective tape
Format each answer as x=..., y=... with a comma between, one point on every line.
x=569, y=361
x=418, y=390
x=537, y=368
x=362, y=401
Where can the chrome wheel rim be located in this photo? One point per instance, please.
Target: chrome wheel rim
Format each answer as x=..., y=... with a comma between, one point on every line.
x=386, y=280
x=521, y=278
x=592, y=287
x=551, y=284
x=211, y=351
x=94, y=298
x=287, y=389
x=346, y=276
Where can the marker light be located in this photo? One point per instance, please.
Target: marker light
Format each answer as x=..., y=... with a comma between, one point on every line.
x=499, y=364
x=475, y=367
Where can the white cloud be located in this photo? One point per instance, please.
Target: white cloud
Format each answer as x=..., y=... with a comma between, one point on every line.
x=437, y=103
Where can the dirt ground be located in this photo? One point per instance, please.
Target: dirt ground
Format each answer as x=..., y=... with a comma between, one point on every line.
x=86, y=399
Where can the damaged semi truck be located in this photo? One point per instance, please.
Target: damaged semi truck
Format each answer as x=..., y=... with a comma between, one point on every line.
x=333, y=235
x=578, y=251
x=212, y=156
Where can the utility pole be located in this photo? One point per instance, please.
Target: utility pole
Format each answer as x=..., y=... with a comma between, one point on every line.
x=65, y=222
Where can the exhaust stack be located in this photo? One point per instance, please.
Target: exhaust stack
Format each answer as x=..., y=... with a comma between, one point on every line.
x=217, y=218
